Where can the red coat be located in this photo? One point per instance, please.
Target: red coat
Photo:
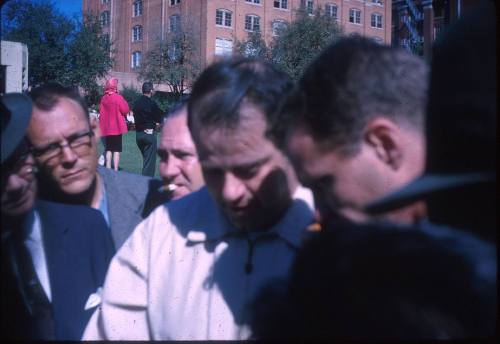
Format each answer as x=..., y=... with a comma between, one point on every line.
x=113, y=110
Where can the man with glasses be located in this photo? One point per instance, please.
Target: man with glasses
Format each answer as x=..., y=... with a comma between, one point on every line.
x=52, y=265
x=64, y=143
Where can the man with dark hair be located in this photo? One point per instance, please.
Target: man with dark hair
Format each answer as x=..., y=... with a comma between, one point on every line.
x=426, y=281
x=353, y=128
x=52, y=265
x=64, y=142
x=146, y=115
x=190, y=269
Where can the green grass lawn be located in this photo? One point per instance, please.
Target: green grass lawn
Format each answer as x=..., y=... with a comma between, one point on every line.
x=131, y=158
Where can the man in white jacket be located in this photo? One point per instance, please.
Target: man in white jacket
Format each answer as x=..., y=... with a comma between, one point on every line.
x=189, y=271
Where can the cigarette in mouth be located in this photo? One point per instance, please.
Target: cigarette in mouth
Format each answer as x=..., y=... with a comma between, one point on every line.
x=167, y=188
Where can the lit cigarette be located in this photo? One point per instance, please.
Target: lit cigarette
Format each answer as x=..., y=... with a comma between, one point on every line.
x=314, y=227
x=167, y=188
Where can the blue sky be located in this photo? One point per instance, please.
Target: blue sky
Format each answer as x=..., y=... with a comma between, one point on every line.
x=69, y=7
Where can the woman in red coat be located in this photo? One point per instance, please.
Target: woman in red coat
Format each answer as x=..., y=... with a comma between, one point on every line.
x=113, y=110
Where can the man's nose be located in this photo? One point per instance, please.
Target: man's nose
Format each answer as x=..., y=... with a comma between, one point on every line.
x=68, y=156
x=233, y=188
x=170, y=169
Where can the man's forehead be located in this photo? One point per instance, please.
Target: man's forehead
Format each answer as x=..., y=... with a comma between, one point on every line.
x=63, y=106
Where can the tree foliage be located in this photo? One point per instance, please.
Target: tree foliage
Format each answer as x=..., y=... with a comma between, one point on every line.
x=89, y=57
x=174, y=61
x=46, y=32
x=60, y=49
x=295, y=44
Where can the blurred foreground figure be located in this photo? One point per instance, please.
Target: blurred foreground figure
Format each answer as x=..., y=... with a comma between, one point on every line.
x=180, y=168
x=354, y=127
x=190, y=269
x=54, y=256
x=427, y=281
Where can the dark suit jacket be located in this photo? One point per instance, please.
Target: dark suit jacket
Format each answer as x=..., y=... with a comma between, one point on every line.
x=131, y=197
x=78, y=250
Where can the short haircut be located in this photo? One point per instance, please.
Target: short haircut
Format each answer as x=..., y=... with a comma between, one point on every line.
x=46, y=96
x=147, y=87
x=218, y=93
x=174, y=110
x=351, y=82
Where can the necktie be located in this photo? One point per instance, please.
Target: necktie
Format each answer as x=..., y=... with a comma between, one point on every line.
x=37, y=302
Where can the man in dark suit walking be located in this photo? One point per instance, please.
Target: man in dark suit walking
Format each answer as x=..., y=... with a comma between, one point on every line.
x=52, y=265
x=146, y=115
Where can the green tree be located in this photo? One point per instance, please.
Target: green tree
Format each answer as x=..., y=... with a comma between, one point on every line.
x=298, y=43
x=45, y=31
x=253, y=46
x=174, y=61
x=89, y=57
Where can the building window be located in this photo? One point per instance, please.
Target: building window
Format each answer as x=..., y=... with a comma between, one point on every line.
x=137, y=33
x=223, y=18
x=331, y=10
x=136, y=59
x=281, y=4
x=252, y=23
x=175, y=23
x=137, y=8
x=307, y=5
x=105, y=1
x=253, y=1
x=354, y=16
x=105, y=18
x=378, y=2
x=174, y=51
x=223, y=47
x=278, y=26
x=106, y=40
x=377, y=20
x=174, y=2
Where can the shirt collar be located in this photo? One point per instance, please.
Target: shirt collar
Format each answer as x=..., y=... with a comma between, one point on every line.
x=290, y=228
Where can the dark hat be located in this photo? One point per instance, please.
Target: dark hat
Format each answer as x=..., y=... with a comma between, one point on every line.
x=15, y=117
x=461, y=113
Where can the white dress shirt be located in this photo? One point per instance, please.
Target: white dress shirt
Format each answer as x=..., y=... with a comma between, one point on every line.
x=34, y=243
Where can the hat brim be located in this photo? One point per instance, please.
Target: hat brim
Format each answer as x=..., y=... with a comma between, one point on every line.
x=15, y=129
x=425, y=185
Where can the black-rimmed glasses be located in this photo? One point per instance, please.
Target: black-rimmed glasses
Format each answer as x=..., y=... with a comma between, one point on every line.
x=78, y=143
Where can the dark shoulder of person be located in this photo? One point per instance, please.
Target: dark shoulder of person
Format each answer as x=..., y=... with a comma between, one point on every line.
x=389, y=282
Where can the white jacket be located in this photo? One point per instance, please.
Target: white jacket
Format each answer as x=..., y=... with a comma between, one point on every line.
x=181, y=275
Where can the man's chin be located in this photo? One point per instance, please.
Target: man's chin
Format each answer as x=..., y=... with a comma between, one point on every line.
x=76, y=188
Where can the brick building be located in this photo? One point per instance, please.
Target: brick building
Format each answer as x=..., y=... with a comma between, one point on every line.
x=135, y=25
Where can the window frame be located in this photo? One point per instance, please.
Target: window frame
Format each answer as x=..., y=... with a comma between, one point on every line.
x=253, y=2
x=174, y=2
x=137, y=8
x=224, y=18
x=282, y=4
x=138, y=33
x=354, y=11
x=177, y=26
x=225, y=51
x=332, y=5
x=136, y=57
x=105, y=23
x=376, y=20
x=308, y=6
x=253, y=18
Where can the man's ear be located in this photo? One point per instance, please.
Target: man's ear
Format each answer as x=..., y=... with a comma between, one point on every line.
x=94, y=125
x=383, y=135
